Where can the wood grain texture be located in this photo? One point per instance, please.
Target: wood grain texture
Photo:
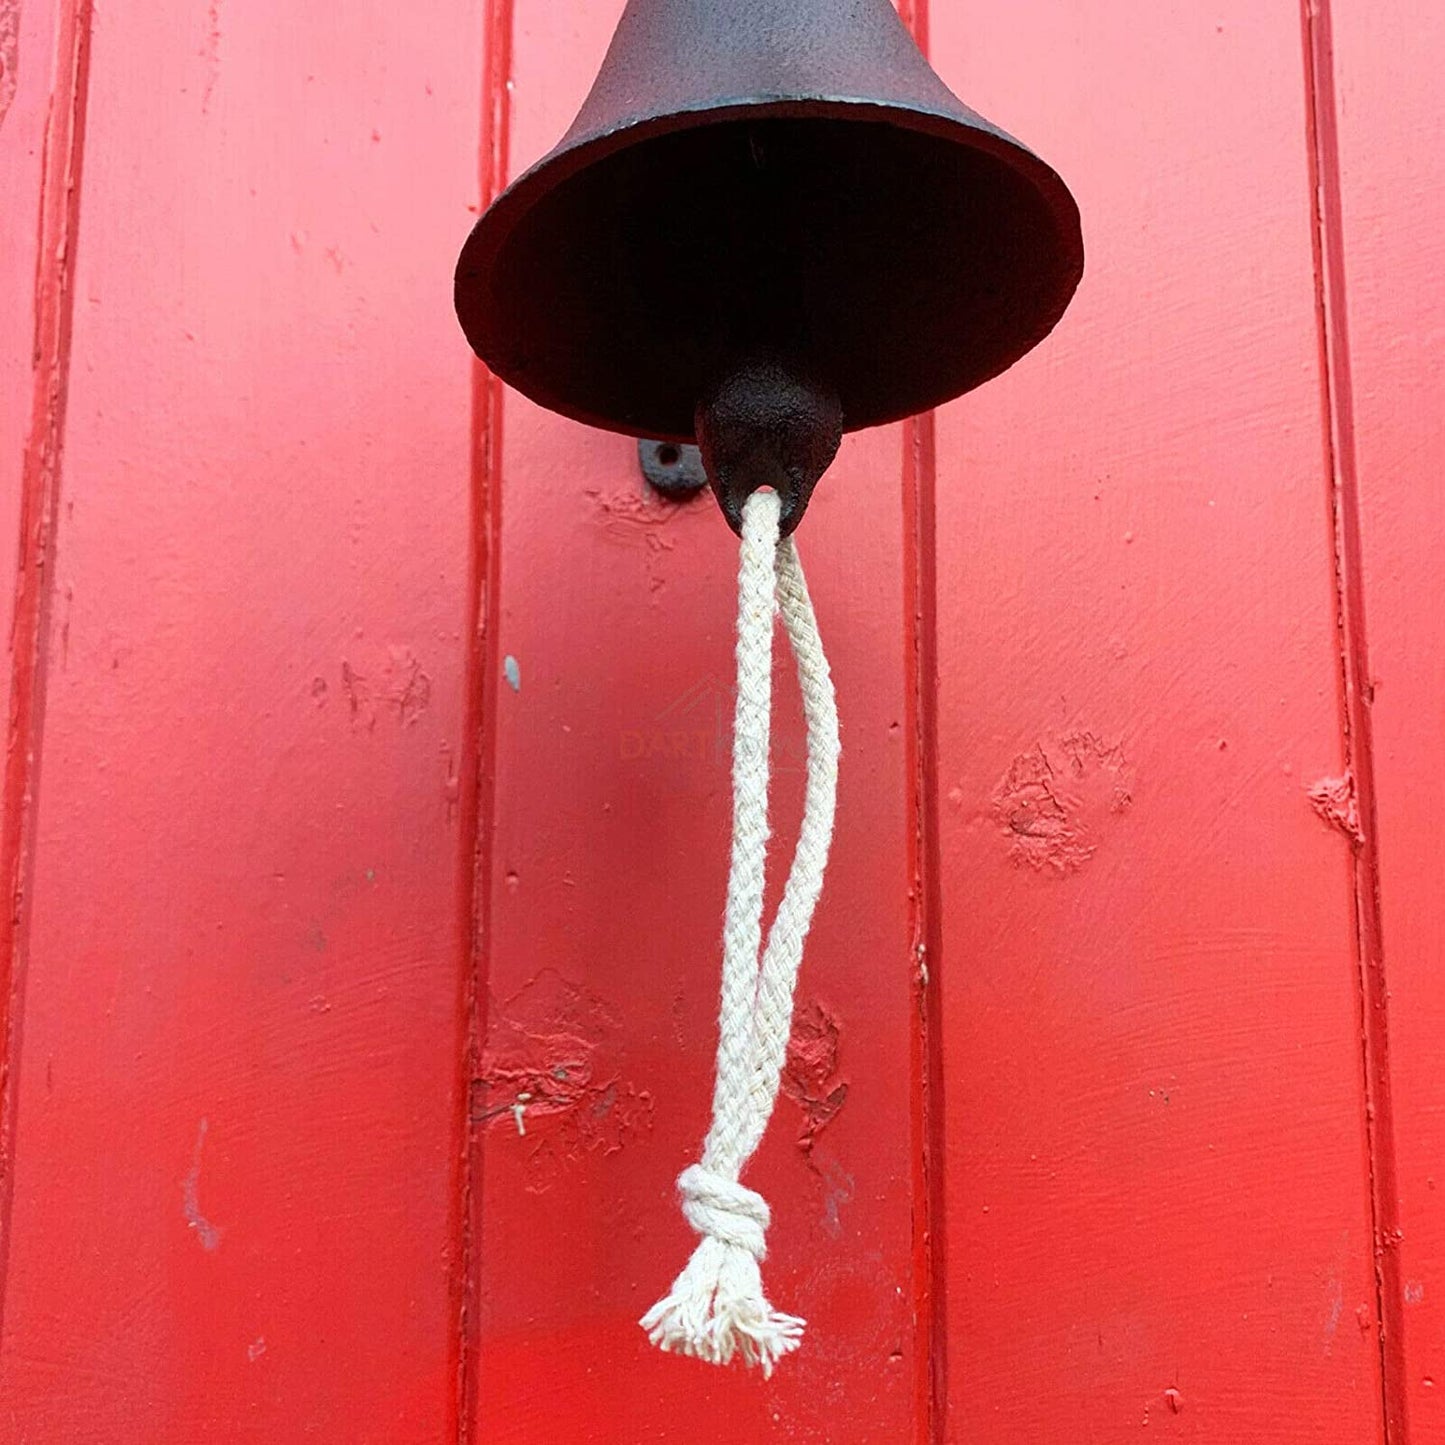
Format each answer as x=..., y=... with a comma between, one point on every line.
x=1389, y=318
x=609, y=868
x=1158, y=1205
x=236, y=1150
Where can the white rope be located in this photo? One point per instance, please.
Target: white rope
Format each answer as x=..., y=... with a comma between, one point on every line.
x=716, y=1308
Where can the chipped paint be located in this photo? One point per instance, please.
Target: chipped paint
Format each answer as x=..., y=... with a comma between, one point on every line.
x=637, y=518
x=547, y=1080
x=1057, y=798
x=512, y=671
x=810, y=1072
x=637, y=515
x=1337, y=802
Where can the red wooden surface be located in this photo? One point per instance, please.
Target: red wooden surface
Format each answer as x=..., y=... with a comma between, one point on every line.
x=366, y=794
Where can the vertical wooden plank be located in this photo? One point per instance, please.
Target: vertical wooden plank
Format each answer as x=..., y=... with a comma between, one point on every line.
x=1158, y=1210
x=236, y=1150
x=1385, y=215
x=609, y=858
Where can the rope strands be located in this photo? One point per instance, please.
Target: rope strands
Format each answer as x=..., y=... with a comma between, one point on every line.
x=716, y=1309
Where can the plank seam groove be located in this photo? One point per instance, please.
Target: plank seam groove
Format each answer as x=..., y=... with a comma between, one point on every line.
x=479, y=766
x=920, y=582
x=1355, y=698
x=58, y=228
x=921, y=592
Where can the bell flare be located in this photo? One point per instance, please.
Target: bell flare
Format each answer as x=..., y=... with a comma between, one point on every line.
x=772, y=177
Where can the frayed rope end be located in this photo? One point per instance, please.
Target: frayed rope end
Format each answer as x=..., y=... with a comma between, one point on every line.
x=716, y=1312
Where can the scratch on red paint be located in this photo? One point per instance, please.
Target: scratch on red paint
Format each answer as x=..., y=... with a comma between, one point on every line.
x=1056, y=797
x=544, y=1079
x=402, y=684
x=209, y=1234
x=1337, y=801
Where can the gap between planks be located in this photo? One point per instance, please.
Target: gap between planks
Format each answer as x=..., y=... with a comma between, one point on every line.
x=1322, y=121
x=478, y=769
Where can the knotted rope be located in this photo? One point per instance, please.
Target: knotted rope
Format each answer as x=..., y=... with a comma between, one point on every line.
x=716, y=1308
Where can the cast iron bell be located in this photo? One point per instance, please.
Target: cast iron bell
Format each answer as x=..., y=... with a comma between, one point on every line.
x=770, y=223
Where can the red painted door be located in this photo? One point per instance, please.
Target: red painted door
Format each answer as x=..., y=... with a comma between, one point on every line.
x=365, y=803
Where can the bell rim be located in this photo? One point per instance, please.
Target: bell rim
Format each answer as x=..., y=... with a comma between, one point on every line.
x=570, y=157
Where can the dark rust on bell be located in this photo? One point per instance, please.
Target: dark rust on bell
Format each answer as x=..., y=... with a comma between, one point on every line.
x=771, y=223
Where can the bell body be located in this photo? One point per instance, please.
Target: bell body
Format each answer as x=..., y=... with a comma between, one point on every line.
x=776, y=179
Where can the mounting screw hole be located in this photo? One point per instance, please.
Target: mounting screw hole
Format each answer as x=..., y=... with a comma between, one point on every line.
x=673, y=469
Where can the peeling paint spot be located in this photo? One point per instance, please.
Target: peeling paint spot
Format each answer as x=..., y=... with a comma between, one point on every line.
x=512, y=671
x=1057, y=797
x=1336, y=800
x=256, y=1348
x=549, y=1079
x=810, y=1072
x=637, y=515
x=637, y=518
x=812, y=1080
x=9, y=53
x=209, y=1234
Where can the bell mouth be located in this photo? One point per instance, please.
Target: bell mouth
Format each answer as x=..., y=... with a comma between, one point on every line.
x=903, y=255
